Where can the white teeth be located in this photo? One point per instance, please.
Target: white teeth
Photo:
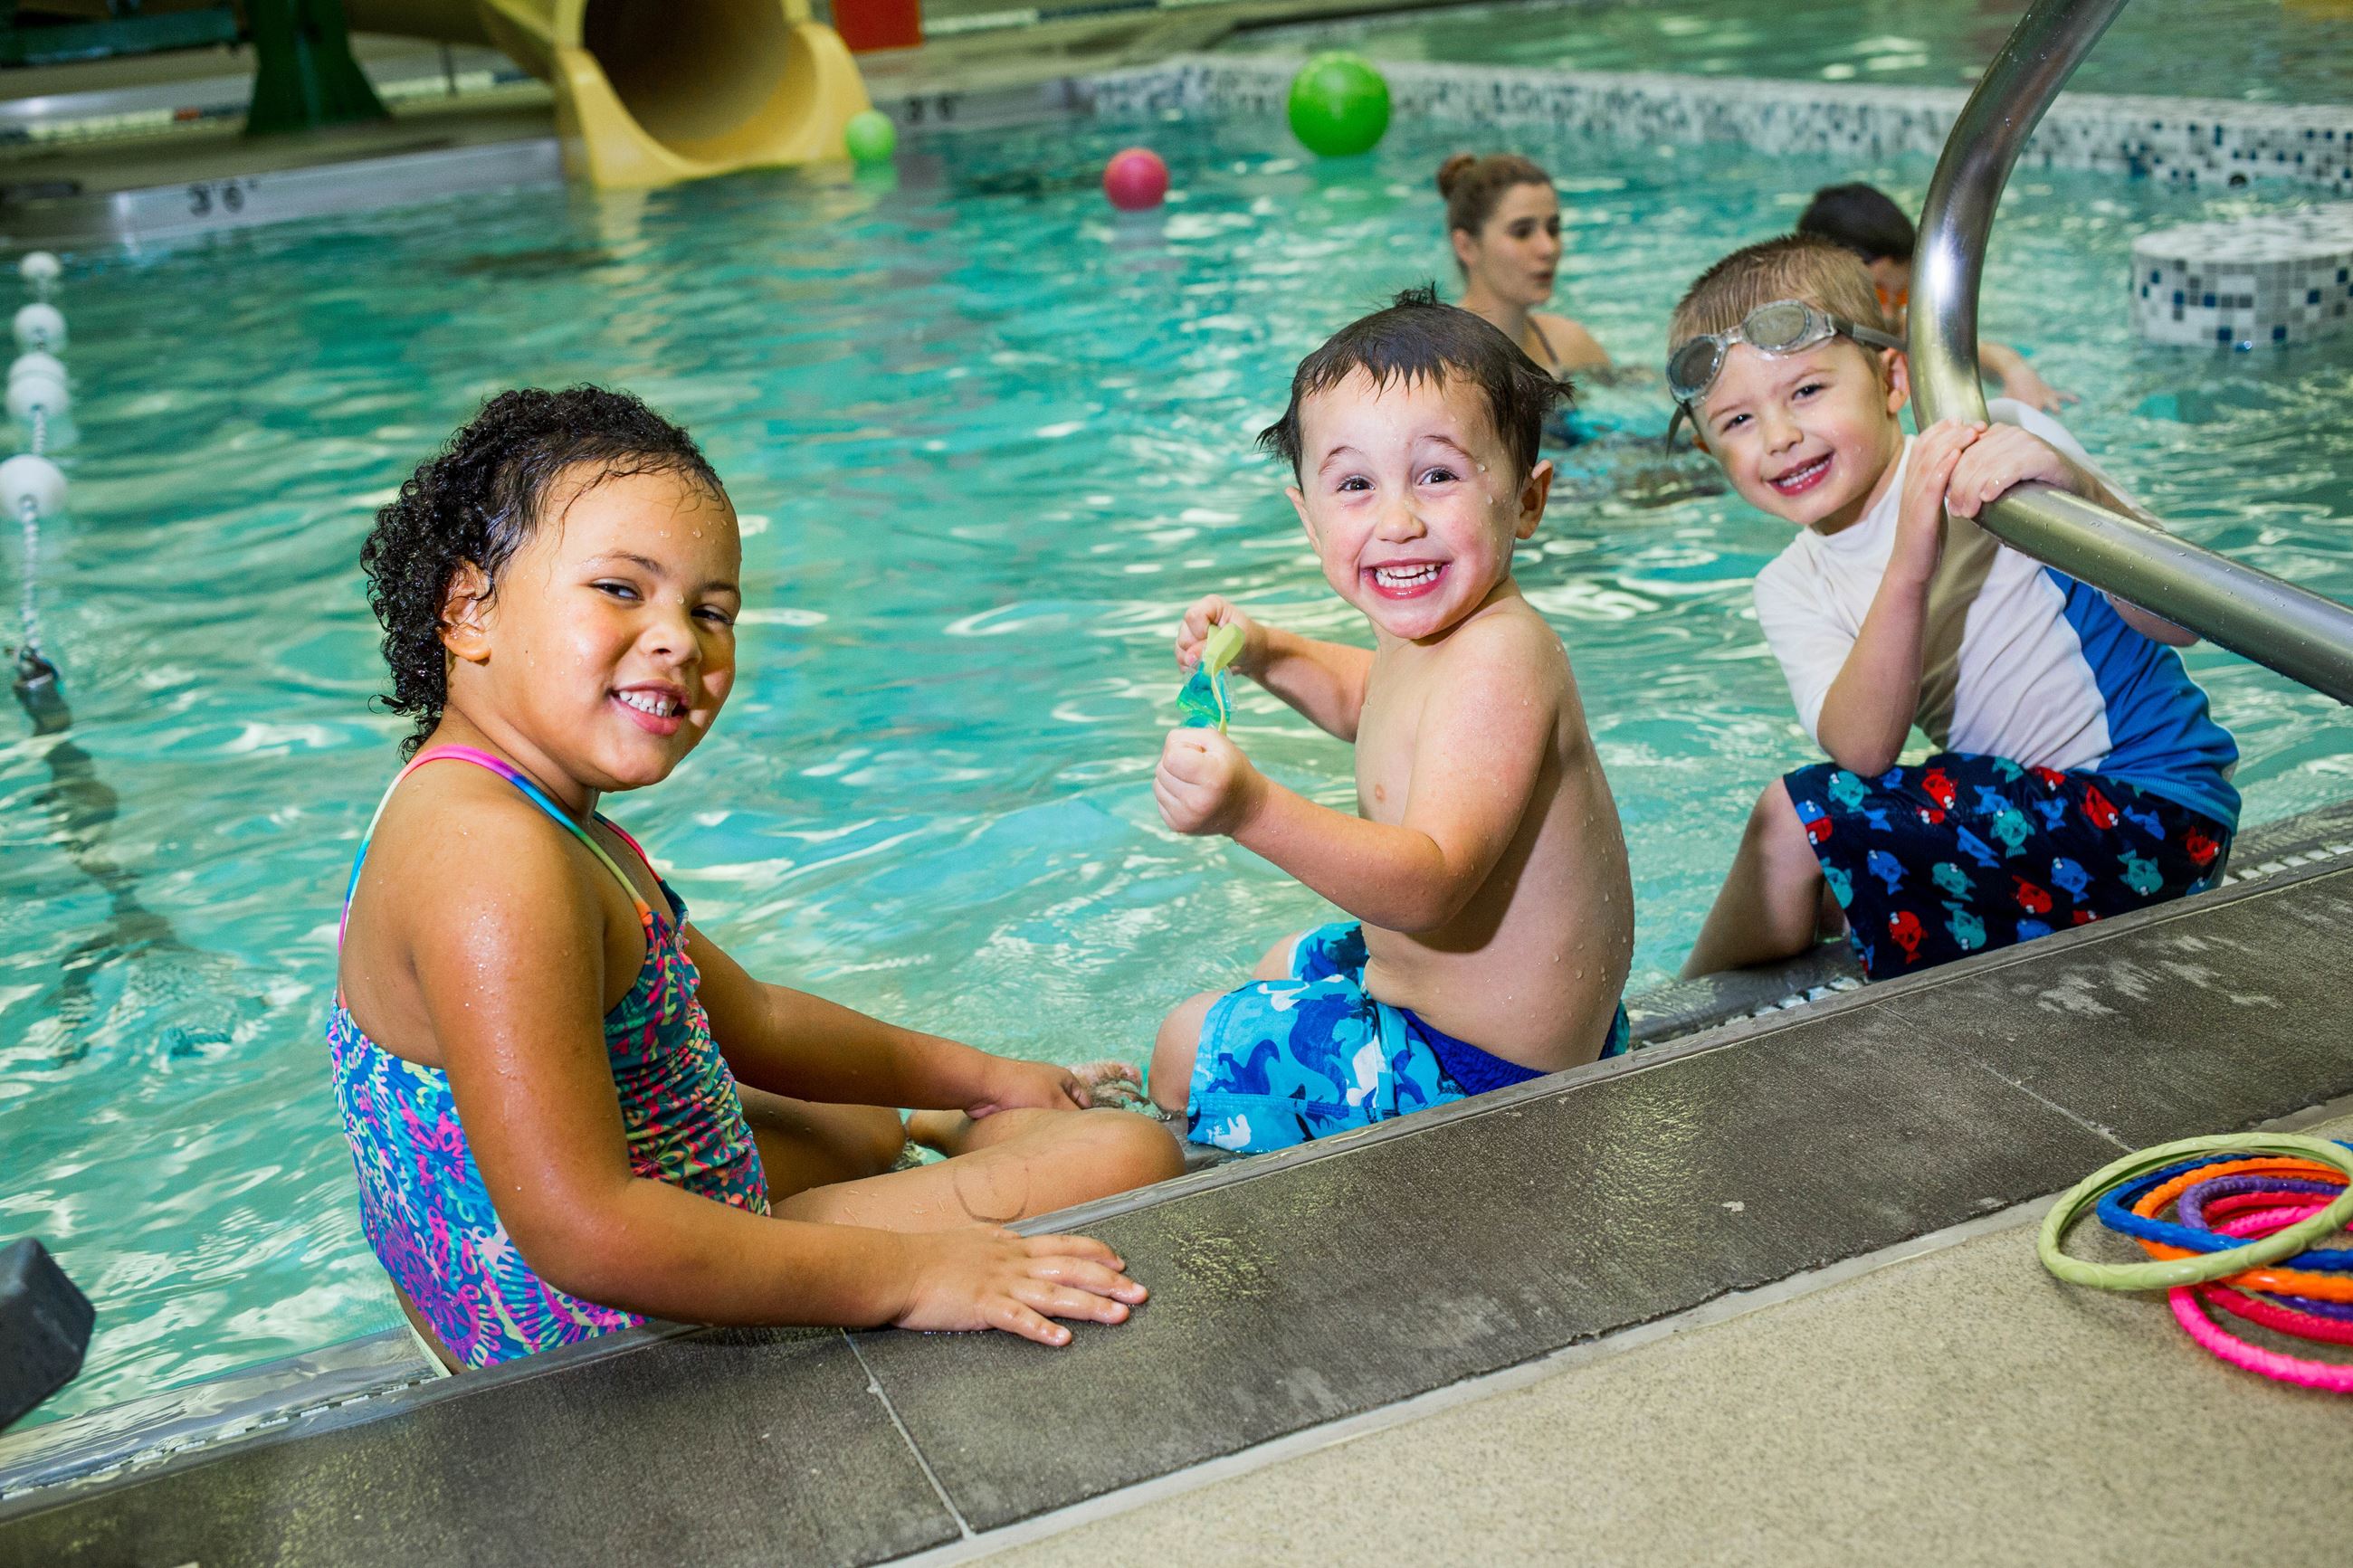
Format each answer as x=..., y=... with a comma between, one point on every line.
x=651, y=702
x=1403, y=576
x=1797, y=475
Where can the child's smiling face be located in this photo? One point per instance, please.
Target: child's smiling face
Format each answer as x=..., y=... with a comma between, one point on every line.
x=1411, y=499
x=608, y=645
x=1808, y=436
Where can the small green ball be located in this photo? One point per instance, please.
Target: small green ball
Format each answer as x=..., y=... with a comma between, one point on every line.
x=871, y=137
x=1339, y=105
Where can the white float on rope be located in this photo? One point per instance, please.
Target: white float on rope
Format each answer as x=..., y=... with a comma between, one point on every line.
x=31, y=393
x=40, y=270
x=28, y=482
x=37, y=363
x=40, y=326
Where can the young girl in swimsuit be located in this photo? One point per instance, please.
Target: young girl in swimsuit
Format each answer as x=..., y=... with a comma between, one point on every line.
x=568, y=1108
x=1503, y=220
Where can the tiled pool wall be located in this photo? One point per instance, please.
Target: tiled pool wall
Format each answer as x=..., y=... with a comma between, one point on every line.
x=2186, y=140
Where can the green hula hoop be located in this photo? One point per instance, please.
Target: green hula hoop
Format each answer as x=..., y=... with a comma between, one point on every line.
x=2166, y=1273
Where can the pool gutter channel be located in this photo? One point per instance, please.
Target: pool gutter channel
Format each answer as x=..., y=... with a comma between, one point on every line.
x=2177, y=140
x=350, y=1399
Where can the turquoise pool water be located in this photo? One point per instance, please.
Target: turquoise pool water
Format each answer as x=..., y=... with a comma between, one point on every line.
x=2271, y=51
x=987, y=441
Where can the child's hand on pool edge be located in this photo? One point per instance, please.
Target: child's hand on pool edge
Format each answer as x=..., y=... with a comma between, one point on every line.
x=1205, y=785
x=985, y=1278
x=1213, y=610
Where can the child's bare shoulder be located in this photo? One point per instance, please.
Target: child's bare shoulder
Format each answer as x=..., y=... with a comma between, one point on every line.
x=1507, y=652
x=473, y=845
x=1509, y=639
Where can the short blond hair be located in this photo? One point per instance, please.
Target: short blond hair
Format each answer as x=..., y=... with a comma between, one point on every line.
x=1795, y=266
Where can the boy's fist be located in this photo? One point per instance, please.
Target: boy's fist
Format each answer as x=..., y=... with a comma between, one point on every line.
x=2002, y=458
x=1214, y=610
x=1204, y=784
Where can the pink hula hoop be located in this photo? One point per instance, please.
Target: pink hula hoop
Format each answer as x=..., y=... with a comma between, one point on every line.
x=2328, y=1377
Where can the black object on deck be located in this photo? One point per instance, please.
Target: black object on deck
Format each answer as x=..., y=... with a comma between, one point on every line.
x=45, y=1326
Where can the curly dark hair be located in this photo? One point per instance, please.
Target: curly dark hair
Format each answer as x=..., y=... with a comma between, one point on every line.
x=480, y=497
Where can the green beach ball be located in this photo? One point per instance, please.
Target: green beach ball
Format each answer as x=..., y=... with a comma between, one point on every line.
x=1339, y=105
x=871, y=137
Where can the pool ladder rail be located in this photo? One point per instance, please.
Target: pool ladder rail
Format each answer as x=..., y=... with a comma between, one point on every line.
x=2302, y=635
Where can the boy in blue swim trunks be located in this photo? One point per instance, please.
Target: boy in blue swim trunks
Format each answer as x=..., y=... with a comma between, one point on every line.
x=1491, y=918
x=2077, y=773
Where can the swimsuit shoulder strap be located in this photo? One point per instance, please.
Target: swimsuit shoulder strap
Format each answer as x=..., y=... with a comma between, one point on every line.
x=627, y=837
x=531, y=791
x=1551, y=360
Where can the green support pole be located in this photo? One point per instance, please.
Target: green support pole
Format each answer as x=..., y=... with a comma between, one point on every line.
x=304, y=75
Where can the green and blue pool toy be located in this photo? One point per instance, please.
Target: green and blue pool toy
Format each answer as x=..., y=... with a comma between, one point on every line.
x=1203, y=700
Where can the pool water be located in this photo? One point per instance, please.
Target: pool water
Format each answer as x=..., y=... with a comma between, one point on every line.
x=987, y=441
x=2269, y=51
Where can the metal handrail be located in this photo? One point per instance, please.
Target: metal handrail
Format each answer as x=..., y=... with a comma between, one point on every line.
x=2303, y=635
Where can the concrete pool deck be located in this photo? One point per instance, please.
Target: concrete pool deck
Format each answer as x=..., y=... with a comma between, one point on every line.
x=1953, y=1404
x=1723, y=1276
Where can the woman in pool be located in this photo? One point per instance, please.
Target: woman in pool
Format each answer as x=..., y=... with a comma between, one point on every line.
x=569, y=1108
x=1502, y=218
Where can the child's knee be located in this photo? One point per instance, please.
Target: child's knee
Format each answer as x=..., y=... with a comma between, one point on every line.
x=881, y=1135
x=1773, y=825
x=1173, y=1051
x=1131, y=1150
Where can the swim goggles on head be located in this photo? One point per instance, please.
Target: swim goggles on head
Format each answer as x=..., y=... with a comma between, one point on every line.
x=1781, y=327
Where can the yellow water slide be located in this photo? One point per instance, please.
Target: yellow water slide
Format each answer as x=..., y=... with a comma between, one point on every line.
x=650, y=92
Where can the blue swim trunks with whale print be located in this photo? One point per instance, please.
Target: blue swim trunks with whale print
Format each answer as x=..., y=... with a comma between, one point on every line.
x=1283, y=1061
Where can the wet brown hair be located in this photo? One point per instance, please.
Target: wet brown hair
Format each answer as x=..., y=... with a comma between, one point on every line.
x=1419, y=338
x=1803, y=267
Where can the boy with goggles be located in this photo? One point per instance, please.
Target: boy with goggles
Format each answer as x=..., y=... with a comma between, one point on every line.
x=1780, y=327
x=2076, y=773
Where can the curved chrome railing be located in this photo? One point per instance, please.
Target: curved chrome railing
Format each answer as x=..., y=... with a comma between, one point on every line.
x=2303, y=635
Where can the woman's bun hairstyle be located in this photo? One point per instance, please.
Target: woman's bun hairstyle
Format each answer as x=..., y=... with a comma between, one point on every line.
x=1450, y=173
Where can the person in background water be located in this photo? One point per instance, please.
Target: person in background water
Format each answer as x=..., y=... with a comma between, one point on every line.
x=1502, y=218
x=568, y=1108
x=1862, y=218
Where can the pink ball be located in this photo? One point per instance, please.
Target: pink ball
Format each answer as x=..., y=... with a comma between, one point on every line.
x=1135, y=179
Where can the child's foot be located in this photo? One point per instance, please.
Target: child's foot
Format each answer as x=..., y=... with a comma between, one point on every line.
x=1111, y=1082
